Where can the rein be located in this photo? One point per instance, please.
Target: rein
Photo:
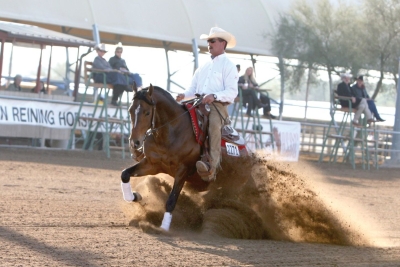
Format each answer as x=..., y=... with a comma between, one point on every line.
x=154, y=130
x=225, y=120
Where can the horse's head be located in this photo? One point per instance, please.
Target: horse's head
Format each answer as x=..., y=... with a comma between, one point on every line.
x=142, y=115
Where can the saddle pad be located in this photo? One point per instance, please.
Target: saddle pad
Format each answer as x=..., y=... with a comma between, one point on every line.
x=193, y=117
x=231, y=141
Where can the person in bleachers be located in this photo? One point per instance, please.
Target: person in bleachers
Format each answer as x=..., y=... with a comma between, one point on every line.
x=248, y=84
x=118, y=63
x=42, y=88
x=16, y=86
x=238, y=68
x=360, y=91
x=119, y=81
x=360, y=104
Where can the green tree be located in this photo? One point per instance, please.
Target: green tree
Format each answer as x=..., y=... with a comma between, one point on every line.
x=319, y=38
x=380, y=37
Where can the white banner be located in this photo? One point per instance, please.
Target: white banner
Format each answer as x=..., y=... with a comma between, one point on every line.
x=62, y=116
x=50, y=114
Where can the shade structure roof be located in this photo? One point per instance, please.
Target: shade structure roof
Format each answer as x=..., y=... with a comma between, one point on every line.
x=154, y=23
x=16, y=32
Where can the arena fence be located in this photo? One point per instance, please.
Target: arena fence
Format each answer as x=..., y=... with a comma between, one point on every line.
x=312, y=135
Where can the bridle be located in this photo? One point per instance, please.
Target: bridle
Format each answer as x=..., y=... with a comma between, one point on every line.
x=152, y=103
x=152, y=129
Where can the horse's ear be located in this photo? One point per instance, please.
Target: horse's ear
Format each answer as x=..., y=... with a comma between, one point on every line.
x=134, y=87
x=151, y=89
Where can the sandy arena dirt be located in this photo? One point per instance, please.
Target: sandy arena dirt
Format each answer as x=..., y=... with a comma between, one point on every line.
x=65, y=208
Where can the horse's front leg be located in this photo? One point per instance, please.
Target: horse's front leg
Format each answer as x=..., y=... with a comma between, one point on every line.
x=172, y=199
x=140, y=169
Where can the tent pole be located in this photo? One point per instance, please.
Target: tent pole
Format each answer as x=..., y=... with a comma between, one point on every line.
x=67, y=69
x=49, y=70
x=96, y=35
x=10, y=65
x=166, y=48
x=253, y=63
x=95, y=30
x=195, y=54
x=77, y=76
x=282, y=73
x=39, y=70
x=1, y=57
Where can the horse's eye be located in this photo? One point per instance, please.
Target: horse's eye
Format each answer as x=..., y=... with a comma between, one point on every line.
x=147, y=113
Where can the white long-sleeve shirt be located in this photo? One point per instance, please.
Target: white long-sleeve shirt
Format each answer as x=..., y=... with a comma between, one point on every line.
x=219, y=76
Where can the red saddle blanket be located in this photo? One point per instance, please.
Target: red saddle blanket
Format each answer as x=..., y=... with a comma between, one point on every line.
x=232, y=148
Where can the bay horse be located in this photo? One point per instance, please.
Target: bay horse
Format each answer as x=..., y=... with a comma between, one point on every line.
x=163, y=129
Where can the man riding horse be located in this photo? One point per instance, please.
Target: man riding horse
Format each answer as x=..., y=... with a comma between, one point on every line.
x=159, y=129
x=217, y=81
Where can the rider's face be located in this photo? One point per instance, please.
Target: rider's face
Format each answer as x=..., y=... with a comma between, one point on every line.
x=216, y=46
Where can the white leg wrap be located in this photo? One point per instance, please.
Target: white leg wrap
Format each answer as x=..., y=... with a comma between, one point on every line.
x=127, y=192
x=166, y=222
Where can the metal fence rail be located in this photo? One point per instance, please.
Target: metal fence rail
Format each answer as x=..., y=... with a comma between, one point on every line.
x=312, y=135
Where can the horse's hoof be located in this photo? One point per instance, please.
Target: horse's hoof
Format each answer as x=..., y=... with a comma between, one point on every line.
x=152, y=229
x=137, y=196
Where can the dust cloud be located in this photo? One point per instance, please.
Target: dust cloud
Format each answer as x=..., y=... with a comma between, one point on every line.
x=253, y=198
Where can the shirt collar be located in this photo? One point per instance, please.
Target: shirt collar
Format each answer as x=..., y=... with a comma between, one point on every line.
x=219, y=56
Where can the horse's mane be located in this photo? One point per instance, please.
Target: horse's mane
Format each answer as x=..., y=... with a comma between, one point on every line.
x=142, y=94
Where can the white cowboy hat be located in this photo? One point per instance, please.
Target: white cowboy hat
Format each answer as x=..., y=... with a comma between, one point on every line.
x=345, y=75
x=216, y=32
x=101, y=47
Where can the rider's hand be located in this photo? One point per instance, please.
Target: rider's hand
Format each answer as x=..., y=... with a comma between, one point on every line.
x=353, y=99
x=179, y=97
x=208, y=99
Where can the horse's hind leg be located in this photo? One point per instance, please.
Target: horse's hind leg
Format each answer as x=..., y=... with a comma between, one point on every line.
x=171, y=202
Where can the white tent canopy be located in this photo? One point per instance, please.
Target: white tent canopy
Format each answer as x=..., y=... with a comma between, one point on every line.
x=150, y=22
